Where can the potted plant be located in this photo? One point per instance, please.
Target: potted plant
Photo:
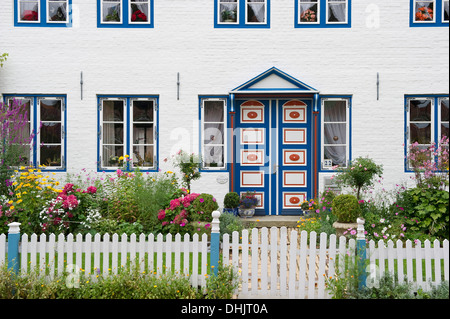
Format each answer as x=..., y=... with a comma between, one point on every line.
x=231, y=203
x=347, y=209
x=247, y=204
x=228, y=16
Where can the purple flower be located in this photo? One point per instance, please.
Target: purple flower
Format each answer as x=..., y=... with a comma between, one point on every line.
x=201, y=200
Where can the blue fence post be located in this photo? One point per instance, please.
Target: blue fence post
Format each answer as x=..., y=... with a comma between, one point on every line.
x=361, y=253
x=13, y=247
x=215, y=242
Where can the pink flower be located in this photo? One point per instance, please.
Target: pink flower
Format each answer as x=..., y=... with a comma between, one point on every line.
x=162, y=215
x=92, y=190
x=174, y=203
x=353, y=232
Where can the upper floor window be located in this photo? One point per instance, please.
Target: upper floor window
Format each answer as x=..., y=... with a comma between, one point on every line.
x=125, y=13
x=242, y=13
x=429, y=13
x=43, y=13
x=335, y=132
x=46, y=116
x=128, y=130
x=322, y=13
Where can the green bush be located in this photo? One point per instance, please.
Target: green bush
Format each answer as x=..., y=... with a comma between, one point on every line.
x=231, y=200
x=230, y=223
x=346, y=208
x=203, y=205
x=427, y=212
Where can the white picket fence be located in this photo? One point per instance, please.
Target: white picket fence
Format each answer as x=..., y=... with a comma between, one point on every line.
x=273, y=263
x=94, y=255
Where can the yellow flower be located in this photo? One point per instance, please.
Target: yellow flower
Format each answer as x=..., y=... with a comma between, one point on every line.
x=19, y=201
x=11, y=208
x=121, y=158
x=126, y=156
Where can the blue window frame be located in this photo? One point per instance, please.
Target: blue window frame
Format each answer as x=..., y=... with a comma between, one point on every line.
x=125, y=14
x=426, y=121
x=242, y=13
x=429, y=13
x=47, y=117
x=335, y=132
x=323, y=13
x=213, y=117
x=43, y=13
x=128, y=133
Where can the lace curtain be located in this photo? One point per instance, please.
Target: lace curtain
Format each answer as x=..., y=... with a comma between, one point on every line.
x=337, y=10
x=213, y=133
x=335, y=132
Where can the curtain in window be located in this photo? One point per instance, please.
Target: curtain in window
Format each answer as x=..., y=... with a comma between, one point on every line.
x=335, y=132
x=57, y=10
x=111, y=11
x=256, y=11
x=228, y=10
x=337, y=10
x=213, y=134
x=29, y=10
x=446, y=10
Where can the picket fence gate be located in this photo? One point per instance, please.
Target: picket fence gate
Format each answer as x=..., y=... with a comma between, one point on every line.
x=271, y=263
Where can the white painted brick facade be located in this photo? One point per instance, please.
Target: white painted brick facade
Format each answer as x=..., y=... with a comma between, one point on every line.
x=214, y=61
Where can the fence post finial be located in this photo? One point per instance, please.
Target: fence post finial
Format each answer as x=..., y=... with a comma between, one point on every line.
x=215, y=242
x=13, y=246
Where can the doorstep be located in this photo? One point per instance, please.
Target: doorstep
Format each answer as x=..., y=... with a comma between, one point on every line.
x=272, y=221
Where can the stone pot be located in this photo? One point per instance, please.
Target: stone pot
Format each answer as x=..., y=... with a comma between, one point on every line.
x=246, y=212
x=343, y=227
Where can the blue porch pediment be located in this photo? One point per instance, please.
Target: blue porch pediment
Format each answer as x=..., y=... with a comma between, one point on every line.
x=274, y=81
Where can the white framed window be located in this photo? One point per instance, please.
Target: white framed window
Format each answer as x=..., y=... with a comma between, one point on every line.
x=26, y=149
x=255, y=11
x=228, y=11
x=420, y=122
x=309, y=11
x=46, y=117
x=139, y=12
x=213, y=133
x=445, y=11
x=111, y=11
x=337, y=11
x=50, y=140
x=424, y=11
x=128, y=126
x=57, y=11
x=29, y=11
x=143, y=122
x=335, y=137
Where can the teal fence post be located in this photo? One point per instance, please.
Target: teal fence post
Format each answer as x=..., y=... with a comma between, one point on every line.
x=361, y=253
x=215, y=242
x=13, y=247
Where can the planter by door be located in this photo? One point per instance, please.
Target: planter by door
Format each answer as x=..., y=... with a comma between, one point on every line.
x=246, y=212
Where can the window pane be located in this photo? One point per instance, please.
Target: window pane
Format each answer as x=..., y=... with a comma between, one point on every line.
x=51, y=155
x=113, y=111
x=213, y=111
x=228, y=10
x=444, y=110
x=213, y=156
x=424, y=11
x=445, y=130
x=335, y=133
x=139, y=10
x=420, y=133
x=143, y=156
x=446, y=10
x=111, y=11
x=29, y=10
x=143, y=134
x=308, y=11
x=256, y=11
x=111, y=155
x=143, y=111
x=335, y=111
x=50, y=133
x=24, y=109
x=57, y=10
x=213, y=134
x=420, y=111
x=337, y=154
x=50, y=110
x=112, y=133
x=337, y=10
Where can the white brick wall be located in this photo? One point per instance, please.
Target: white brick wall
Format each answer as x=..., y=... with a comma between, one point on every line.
x=214, y=61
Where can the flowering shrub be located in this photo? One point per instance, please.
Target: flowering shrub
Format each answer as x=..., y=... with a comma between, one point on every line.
x=72, y=211
x=203, y=206
x=189, y=165
x=430, y=165
x=424, y=14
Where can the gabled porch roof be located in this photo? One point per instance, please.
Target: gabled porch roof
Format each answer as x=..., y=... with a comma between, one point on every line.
x=274, y=81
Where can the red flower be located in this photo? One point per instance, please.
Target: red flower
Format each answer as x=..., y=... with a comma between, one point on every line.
x=30, y=15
